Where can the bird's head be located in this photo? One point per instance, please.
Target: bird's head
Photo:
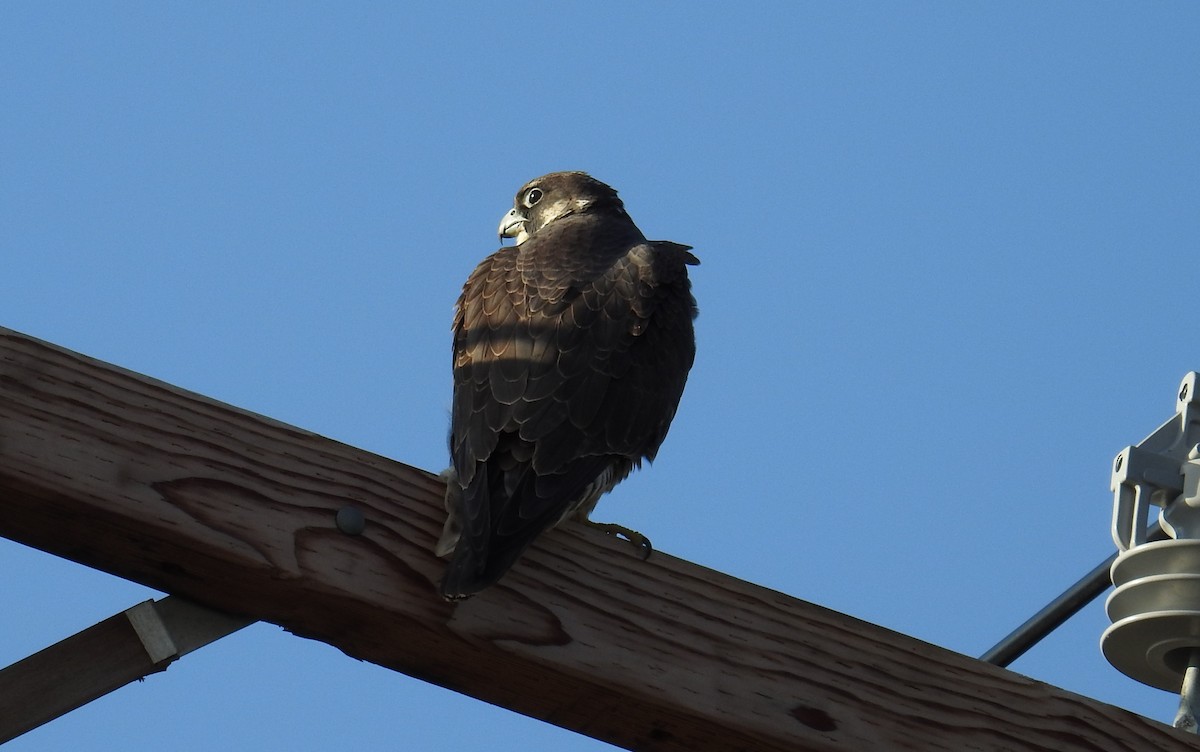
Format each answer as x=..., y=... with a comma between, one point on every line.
x=553, y=196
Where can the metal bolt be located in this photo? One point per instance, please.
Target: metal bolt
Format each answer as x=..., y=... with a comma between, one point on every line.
x=350, y=520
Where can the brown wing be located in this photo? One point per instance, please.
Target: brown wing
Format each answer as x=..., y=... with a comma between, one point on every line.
x=570, y=355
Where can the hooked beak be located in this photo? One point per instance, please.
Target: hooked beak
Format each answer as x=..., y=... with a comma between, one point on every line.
x=512, y=225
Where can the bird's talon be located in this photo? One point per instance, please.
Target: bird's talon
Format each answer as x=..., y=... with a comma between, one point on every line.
x=639, y=541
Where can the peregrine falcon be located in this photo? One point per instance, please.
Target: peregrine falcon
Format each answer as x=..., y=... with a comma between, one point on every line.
x=571, y=351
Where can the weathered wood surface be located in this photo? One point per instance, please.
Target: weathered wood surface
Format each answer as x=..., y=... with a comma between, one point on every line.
x=236, y=511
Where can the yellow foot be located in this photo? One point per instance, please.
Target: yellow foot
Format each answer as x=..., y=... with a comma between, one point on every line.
x=639, y=541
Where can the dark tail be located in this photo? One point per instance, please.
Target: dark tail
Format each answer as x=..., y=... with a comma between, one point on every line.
x=482, y=555
x=492, y=539
x=462, y=574
x=470, y=571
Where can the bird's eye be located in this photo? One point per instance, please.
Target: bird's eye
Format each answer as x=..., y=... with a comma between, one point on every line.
x=532, y=197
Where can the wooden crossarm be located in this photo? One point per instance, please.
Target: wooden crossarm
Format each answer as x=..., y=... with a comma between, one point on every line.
x=237, y=512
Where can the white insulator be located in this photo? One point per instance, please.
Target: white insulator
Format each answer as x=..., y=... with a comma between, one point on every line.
x=1155, y=610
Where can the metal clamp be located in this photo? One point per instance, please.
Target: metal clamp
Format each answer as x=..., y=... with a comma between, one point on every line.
x=1152, y=472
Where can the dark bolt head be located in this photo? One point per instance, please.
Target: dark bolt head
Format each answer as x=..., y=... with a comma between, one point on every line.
x=351, y=521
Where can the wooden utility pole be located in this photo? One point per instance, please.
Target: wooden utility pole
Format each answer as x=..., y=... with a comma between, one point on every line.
x=239, y=513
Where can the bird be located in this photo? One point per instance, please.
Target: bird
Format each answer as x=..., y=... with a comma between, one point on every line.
x=571, y=350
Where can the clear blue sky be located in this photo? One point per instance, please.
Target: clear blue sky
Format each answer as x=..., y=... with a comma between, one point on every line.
x=949, y=256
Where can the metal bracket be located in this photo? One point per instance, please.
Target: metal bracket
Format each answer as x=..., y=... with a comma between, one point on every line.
x=127, y=646
x=1152, y=472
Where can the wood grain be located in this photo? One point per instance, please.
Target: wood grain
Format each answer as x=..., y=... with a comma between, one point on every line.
x=236, y=511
